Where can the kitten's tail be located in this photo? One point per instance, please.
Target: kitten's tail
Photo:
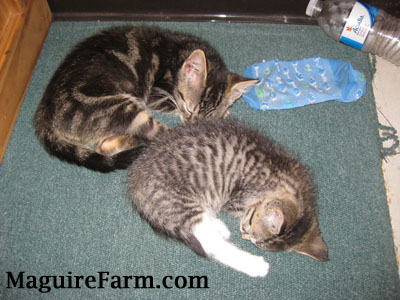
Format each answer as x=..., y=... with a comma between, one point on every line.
x=79, y=155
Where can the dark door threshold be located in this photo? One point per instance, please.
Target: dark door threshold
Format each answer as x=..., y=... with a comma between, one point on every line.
x=269, y=11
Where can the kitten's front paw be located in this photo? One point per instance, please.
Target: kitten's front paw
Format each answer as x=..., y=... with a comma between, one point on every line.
x=222, y=229
x=255, y=266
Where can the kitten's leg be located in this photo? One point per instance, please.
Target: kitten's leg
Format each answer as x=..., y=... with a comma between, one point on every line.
x=145, y=127
x=117, y=144
x=217, y=247
x=221, y=228
x=142, y=128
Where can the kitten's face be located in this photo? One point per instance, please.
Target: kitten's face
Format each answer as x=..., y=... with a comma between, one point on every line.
x=202, y=94
x=218, y=96
x=221, y=93
x=265, y=221
x=275, y=225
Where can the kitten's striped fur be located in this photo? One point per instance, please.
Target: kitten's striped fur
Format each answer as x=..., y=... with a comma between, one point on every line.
x=97, y=107
x=185, y=177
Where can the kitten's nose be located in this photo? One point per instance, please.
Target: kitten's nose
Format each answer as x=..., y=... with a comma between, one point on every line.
x=245, y=236
x=187, y=119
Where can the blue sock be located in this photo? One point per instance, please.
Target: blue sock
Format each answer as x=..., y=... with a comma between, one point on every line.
x=290, y=84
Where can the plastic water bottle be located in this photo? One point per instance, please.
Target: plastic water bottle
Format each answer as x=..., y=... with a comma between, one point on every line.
x=359, y=25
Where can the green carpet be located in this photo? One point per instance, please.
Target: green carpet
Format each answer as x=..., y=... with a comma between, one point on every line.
x=58, y=219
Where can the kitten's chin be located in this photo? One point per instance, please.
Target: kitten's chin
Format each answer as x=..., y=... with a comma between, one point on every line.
x=189, y=120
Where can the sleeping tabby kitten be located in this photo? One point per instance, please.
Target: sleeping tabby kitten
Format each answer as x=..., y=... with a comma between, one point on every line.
x=185, y=177
x=96, y=109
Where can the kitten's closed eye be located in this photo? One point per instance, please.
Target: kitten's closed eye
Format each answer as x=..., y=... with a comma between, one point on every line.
x=245, y=224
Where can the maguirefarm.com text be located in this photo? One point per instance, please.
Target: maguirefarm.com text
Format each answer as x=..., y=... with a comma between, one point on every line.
x=101, y=280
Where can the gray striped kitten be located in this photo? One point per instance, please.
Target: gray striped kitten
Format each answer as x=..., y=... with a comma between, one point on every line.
x=186, y=177
x=96, y=110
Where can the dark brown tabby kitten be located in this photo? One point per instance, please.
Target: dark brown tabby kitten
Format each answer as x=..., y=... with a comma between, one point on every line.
x=185, y=177
x=96, y=109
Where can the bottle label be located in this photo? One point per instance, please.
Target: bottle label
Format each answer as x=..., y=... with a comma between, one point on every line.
x=358, y=25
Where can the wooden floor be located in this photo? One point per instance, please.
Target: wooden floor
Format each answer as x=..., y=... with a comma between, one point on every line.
x=24, y=25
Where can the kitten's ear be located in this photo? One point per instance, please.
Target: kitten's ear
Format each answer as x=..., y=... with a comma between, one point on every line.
x=195, y=67
x=273, y=220
x=238, y=85
x=314, y=247
x=192, y=79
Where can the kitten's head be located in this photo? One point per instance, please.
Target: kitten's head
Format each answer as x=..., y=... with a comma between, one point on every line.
x=203, y=93
x=278, y=224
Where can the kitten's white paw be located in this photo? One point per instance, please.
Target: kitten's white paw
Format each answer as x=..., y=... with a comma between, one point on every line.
x=254, y=266
x=222, y=229
x=213, y=236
